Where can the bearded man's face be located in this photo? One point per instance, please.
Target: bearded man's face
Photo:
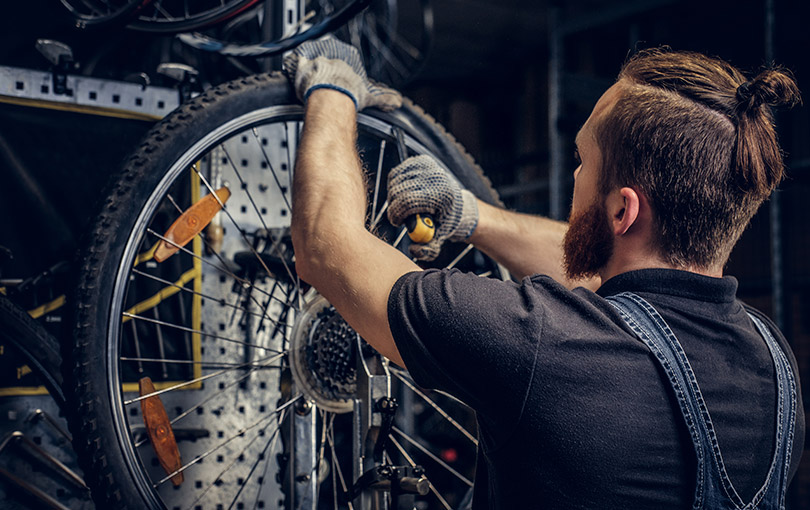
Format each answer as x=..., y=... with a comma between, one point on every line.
x=588, y=243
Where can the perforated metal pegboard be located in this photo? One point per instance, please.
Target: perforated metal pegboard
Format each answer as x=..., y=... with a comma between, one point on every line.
x=34, y=442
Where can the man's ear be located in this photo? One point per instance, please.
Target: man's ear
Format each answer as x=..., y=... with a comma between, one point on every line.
x=623, y=208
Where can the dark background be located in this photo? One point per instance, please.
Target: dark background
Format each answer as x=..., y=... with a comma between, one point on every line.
x=487, y=80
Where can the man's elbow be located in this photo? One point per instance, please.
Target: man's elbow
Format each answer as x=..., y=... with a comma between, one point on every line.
x=317, y=254
x=306, y=255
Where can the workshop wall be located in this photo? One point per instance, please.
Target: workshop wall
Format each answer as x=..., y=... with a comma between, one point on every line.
x=486, y=81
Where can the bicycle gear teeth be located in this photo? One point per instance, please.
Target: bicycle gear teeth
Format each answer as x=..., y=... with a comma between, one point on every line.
x=331, y=355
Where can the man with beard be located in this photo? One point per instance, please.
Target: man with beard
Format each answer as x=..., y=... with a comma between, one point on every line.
x=660, y=390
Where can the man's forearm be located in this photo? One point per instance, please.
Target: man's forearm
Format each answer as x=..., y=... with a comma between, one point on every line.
x=328, y=185
x=524, y=244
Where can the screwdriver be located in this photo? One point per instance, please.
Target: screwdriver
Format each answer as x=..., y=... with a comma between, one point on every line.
x=421, y=226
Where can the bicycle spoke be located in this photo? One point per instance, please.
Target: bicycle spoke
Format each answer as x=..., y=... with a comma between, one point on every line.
x=204, y=239
x=159, y=8
x=244, y=186
x=208, y=399
x=220, y=301
x=235, y=224
x=259, y=458
x=200, y=379
x=382, y=49
x=281, y=418
x=435, y=406
x=153, y=301
x=224, y=270
x=287, y=144
x=379, y=215
x=378, y=176
x=214, y=365
x=433, y=456
x=198, y=331
x=239, y=433
x=460, y=256
x=330, y=438
x=321, y=446
x=236, y=458
x=413, y=464
x=402, y=232
x=281, y=189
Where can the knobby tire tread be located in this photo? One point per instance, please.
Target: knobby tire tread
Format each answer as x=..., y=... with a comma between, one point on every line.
x=39, y=348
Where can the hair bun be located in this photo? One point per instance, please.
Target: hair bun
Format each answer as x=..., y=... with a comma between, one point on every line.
x=773, y=87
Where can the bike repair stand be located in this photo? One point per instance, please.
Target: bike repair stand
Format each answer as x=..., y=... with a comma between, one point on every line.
x=374, y=411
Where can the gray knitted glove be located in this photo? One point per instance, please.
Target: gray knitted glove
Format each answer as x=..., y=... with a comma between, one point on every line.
x=420, y=185
x=330, y=63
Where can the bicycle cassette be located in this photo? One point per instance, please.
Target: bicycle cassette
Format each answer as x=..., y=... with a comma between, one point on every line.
x=323, y=356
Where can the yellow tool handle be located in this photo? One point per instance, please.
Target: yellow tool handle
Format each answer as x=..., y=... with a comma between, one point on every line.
x=421, y=228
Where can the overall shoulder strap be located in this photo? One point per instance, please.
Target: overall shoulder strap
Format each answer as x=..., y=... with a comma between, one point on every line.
x=772, y=493
x=650, y=327
x=714, y=488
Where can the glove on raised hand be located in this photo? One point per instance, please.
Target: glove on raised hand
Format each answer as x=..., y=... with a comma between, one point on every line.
x=420, y=185
x=330, y=63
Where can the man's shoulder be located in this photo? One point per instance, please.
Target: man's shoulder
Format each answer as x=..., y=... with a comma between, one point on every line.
x=458, y=289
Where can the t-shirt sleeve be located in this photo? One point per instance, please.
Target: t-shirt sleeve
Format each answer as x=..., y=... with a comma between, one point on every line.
x=473, y=337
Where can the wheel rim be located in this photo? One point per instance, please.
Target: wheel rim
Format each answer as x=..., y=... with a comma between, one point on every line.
x=253, y=427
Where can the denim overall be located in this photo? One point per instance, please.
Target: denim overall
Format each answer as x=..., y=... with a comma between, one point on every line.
x=714, y=489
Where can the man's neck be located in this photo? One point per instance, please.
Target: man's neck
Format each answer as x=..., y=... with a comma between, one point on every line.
x=617, y=266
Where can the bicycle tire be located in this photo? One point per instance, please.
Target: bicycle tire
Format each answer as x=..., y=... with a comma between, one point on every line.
x=117, y=472
x=39, y=349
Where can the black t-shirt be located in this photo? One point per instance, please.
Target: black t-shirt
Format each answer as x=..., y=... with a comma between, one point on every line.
x=572, y=408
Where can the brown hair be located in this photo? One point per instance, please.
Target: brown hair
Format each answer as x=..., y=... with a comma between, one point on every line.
x=698, y=141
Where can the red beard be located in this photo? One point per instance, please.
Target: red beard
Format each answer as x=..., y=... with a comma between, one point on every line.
x=588, y=243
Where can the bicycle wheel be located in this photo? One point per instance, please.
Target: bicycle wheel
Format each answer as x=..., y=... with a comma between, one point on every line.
x=321, y=17
x=253, y=366
x=98, y=13
x=395, y=38
x=173, y=16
